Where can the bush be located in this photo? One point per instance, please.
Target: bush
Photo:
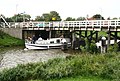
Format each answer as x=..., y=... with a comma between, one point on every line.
x=83, y=65
x=93, y=48
x=112, y=68
x=113, y=48
x=89, y=47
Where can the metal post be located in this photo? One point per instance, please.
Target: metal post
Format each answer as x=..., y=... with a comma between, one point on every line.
x=16, y=12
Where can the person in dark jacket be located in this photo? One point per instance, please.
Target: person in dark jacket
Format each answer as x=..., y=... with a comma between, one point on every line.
x=34, y=39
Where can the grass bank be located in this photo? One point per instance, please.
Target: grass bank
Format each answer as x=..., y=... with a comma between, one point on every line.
x=78, y=78
x=7, y=41
x=105, y=66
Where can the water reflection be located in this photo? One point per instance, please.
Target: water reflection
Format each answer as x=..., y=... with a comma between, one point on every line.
x=12, y=57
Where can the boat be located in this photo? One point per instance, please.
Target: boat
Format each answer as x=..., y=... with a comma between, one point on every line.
x=51, y=43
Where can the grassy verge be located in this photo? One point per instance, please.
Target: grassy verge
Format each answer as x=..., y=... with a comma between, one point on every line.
x=78, y=78
x=7, y=41
x=105, y=66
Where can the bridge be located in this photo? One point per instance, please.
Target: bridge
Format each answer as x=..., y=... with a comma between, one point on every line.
x=23, y=29
x=91, y=25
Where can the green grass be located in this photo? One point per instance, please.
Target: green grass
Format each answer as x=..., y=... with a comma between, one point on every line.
x=91, y=67
x=77, y=78
x=8, y=41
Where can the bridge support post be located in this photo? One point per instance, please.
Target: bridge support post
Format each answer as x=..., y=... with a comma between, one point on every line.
x=80, y=35
x=50, y=34
x=96, y=39
x=73, y=40
x=23, y=35
x=91, y=32
x=80, y=32
x=86, y=33
x=108, y=40
x=115, y=39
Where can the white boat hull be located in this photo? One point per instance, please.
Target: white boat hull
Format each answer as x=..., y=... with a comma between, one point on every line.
x=52, y=43
x=42, y=47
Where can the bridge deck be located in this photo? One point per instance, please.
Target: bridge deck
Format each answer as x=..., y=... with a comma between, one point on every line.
x=96, y=25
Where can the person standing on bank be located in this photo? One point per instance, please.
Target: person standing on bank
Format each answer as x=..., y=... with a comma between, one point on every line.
x=34, y=39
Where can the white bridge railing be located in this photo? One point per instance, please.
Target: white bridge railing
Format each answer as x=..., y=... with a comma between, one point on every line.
x=11, y=25
x=90, y=23
x=94, y=24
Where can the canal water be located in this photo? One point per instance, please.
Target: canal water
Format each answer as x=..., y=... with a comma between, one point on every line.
x=10, y=57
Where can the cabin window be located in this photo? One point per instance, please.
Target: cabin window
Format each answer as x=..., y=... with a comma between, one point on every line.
x=58, y=41
x=51, y=41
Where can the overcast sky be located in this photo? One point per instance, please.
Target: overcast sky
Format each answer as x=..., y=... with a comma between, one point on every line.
x=65, y=8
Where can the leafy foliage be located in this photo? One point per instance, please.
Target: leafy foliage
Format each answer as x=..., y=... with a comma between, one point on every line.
x=83, y=65
x=89, y=47
x=21, y=17
x=80, y=19
x=113, y=48
x=70, y=19
x=49, y=16
x=98, y=17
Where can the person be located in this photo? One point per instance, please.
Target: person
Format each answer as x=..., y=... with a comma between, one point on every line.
x=34, y=39
x=62, y=36
x=28, y=40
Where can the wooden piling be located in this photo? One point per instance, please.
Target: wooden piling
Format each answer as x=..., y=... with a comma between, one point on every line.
x=73, y=40
x=115, y=38
x=108, y=40
x=96, y=38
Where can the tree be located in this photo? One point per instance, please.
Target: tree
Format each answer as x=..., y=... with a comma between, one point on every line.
x=98, y=17
x=39, y=18
x=115, y=18
x=54, y=14
x=80, y=19
x=49, y=17
x=46, y=17
x=21, y=17
x=9, y=19
x=108, y=18
x=70, y=19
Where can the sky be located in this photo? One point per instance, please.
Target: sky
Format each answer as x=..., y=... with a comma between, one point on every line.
x=65, y=8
